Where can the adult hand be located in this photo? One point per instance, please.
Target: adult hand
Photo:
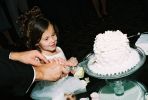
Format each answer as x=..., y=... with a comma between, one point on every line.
x=50, y=71
x=28, y=57
x=70, y=62
x=58, y=60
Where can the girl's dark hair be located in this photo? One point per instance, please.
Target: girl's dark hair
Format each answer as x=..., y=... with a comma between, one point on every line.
x=33, y=25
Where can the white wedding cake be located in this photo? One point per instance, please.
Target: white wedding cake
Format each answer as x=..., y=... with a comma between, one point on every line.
x=112, y=54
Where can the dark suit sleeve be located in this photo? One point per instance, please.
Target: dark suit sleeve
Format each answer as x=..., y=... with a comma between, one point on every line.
x=15, y=77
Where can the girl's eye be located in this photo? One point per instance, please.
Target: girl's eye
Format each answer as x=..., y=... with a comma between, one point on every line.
x=46, y=38
x=53, y=34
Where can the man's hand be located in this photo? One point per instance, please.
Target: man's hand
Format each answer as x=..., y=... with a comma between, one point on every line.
x=32, y=57
x=50, y=71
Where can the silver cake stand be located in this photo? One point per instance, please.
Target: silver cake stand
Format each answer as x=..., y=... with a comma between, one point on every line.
x=117, y=86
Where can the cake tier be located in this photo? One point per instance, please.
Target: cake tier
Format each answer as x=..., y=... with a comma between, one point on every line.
x=108, y=68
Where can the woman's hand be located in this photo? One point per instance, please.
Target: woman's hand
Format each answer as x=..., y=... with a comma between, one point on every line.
x=70, y=64
x=32, y=57
x=58, y=60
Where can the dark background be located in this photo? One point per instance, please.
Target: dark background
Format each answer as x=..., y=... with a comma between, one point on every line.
x=78, y=24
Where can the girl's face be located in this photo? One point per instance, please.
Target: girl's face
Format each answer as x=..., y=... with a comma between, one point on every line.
x=48, y=40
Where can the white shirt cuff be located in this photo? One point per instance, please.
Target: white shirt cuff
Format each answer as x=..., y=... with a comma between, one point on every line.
x=32, y=80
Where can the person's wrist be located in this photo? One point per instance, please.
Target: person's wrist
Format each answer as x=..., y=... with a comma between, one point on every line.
x=13, y=55
x=39, y=74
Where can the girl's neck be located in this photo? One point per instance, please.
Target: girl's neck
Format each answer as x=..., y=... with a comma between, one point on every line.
x=50, y=52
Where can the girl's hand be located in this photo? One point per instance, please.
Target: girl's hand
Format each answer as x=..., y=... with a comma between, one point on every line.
x=72, y=61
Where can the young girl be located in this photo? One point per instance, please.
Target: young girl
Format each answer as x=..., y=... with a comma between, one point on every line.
x=42, y=35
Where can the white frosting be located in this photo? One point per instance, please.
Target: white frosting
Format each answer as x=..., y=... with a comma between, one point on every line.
x=112, y=53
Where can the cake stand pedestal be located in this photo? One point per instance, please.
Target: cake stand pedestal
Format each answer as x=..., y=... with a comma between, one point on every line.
x=117, y=86
x=122, y=90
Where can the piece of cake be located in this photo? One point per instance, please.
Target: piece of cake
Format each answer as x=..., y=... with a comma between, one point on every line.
x=112, y=54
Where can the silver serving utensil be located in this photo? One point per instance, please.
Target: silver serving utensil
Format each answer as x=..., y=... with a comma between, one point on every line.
x=134, y=35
